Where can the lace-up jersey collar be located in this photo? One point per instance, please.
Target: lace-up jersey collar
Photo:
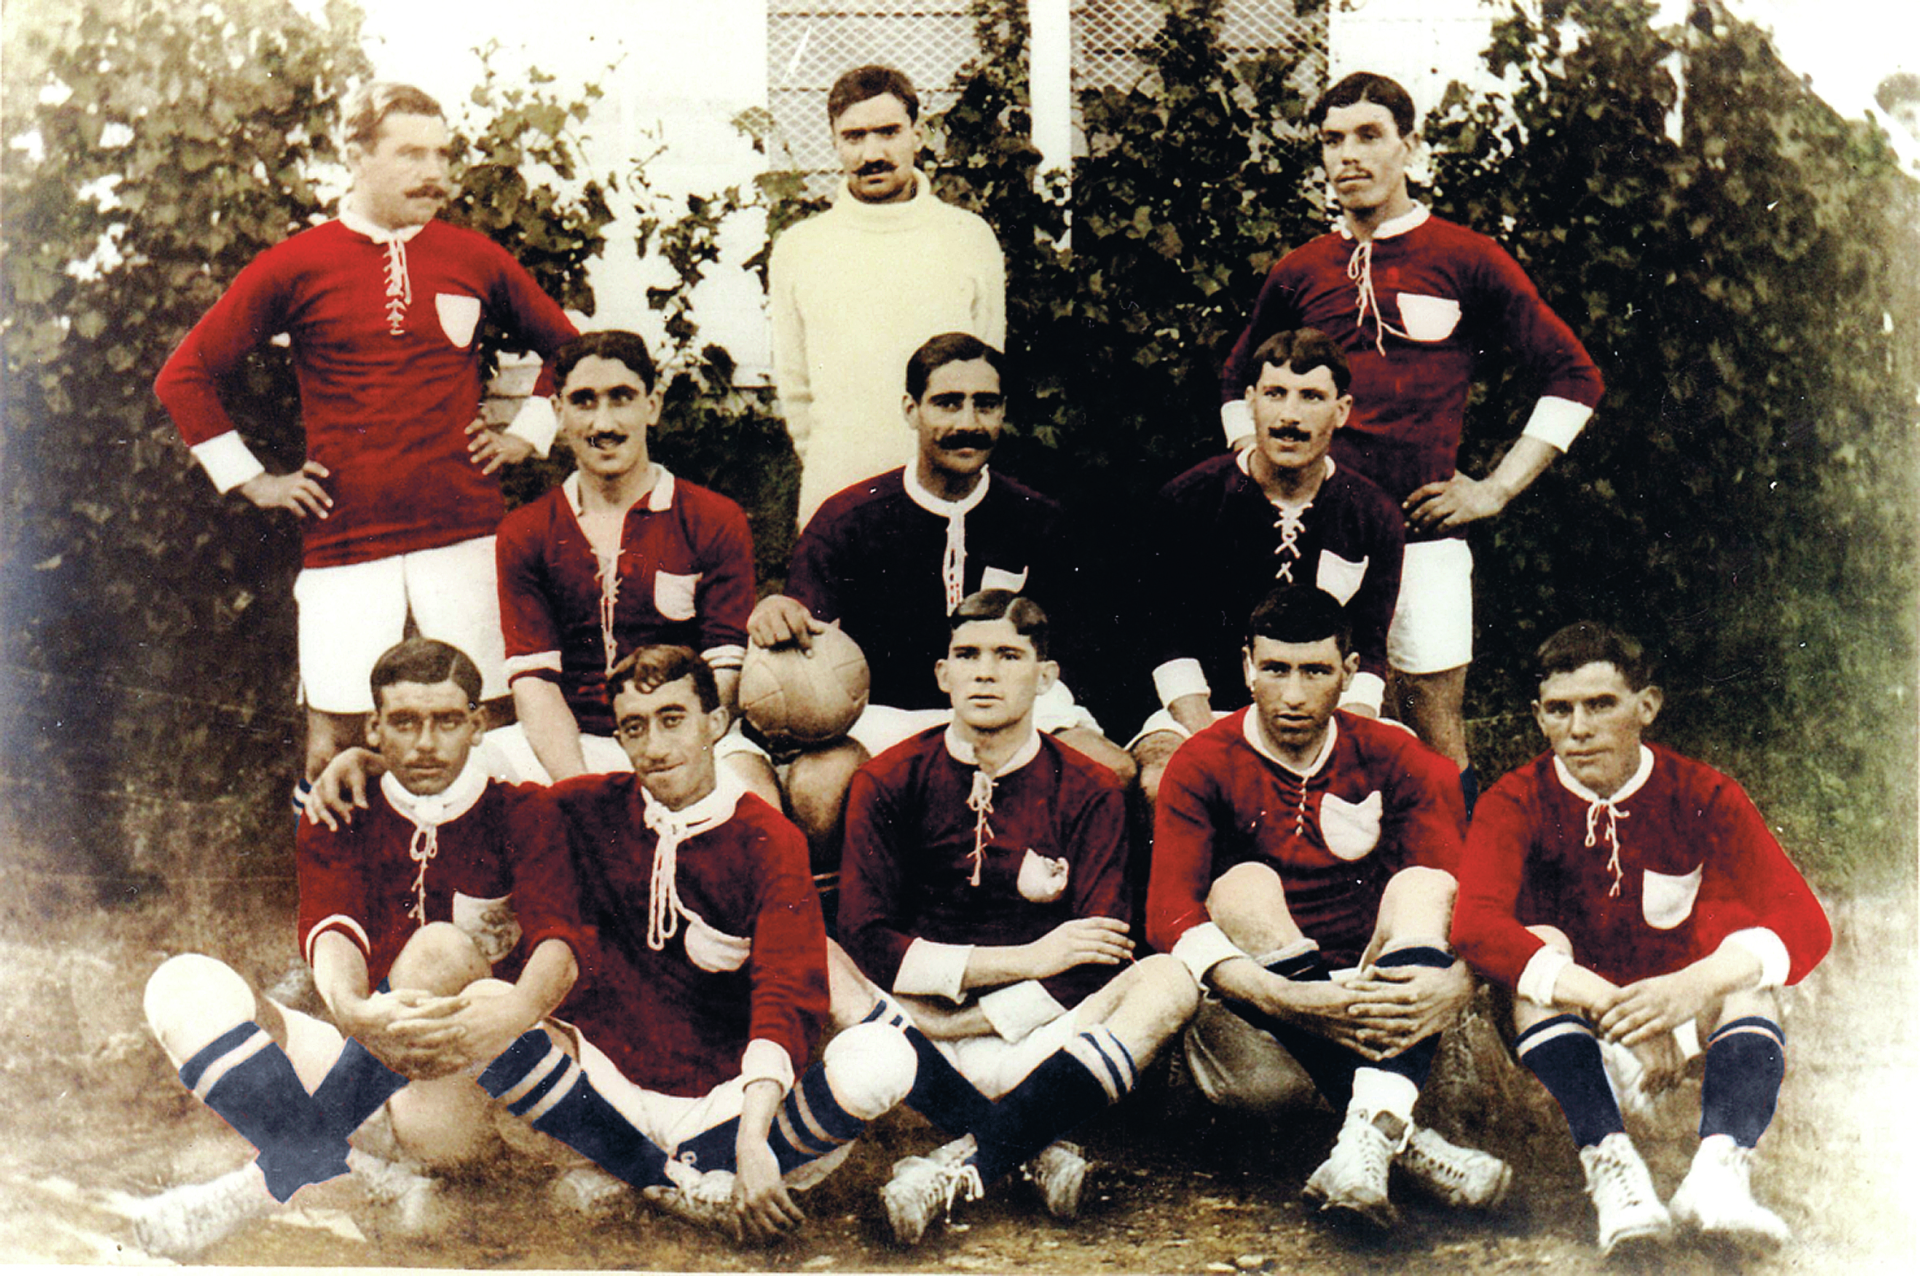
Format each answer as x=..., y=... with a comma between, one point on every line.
x=953, y=562
x=427, y=814
x=980, y=798
x=1607, y=809
x=1360, y=270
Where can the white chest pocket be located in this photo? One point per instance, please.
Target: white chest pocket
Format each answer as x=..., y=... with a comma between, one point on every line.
x=713, y=949
x=489, y=923
x=1352, y=829
x=459, y=316
x=1667, y=900
x=1339, y=576
x=1001, y=578
x=673, y=594
x=1428, y=318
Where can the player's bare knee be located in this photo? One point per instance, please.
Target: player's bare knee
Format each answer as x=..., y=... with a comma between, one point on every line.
x=1168, y=987
x=1748, y=1003
x=191, y=1000
x=870, y=1067
x=757, y=774
x=440, y=959
x=1417, y=906
x=1102, y=750
x=850, y=996
x=817, y=786
x=1249, y=905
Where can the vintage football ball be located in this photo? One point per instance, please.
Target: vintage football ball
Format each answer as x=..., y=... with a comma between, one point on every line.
x=795, y=697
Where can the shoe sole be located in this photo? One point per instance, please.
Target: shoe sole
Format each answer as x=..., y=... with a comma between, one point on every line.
x=1646, y=1240
x=1382, y=1217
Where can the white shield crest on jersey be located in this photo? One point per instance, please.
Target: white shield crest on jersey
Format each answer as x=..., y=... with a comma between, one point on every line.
x=459, y=316
x=1428, y=318
x=1001, y=578
x=674, y=594
x=489, y=923
x=1042, y=879
x=1352, y=829
x=1666, y=899
x=711, y=948
x=1339, y=576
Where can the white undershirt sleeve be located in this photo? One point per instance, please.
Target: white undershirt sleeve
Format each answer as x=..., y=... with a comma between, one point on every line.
x=934, y=970
x=1557, y=422
x=1203, y=947
x=1017, y=1009
x=1542, y=972
x=228, y=460
x=536, y=423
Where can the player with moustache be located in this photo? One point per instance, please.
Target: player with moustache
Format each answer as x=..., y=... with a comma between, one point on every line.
x=1637, y=905
x=1415, y=302
x=984, y=890
x=1280, y=512
x=1303, y=862
x=397, y=497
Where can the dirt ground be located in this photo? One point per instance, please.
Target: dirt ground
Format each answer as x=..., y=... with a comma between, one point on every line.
x=93, y=1112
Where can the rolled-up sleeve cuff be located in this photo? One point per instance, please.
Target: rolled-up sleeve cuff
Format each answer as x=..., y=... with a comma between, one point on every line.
x=765, y=1060
x=538, y=662
x=1180, y=677
x=1236, y=419
x=536, y=423
x=345, y=925
x=933, y=970
x=1203, y=947
x=1368, y=690
x=1557, y=422
x=1541, y=974
x=1017, y=1009
x=1769, y=948
x=725, y=656
x=228, y=460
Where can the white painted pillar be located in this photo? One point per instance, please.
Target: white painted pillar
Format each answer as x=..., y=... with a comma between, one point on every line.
x=1050, y=50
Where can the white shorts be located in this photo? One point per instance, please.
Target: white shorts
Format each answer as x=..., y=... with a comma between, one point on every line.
x=1432, y=629
x=508, y=755
x=994, y=1065
x=350, y=615
x=879, y=727
x=667, y=1120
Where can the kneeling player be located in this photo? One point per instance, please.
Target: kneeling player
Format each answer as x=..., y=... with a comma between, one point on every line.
x=1292, y=840
x=445, y=881
x=983, y=887
x=1635, y=898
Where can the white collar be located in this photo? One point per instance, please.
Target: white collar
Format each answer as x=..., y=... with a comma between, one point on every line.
x=659, y=497
x=377, y=233
x=1411, y=219
x=898, y=214
x=1243, y=459
x=1255, y=736
x=711, y=811
x=440, y=808
x=923, y=497
x=962, y=752
x=1621, y=794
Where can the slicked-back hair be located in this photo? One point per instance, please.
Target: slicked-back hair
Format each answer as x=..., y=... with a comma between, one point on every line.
x=1588, y=642
x=426, y=661
x=1301, y=614
x=1365, y=86
x=871, y=81
x=370, y=105
x=1303, y=350
x=949, y=347
x=1028, y=618
x=647, y=669
x=615, y=344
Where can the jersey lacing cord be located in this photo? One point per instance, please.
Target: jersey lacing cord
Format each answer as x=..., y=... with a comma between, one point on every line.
x=663, y=892
x=606, y=574
x=953, y=563
x=1290, y=522
x=980, y=802
x=424, y=845
x=1360, y=270
x=399, y=287
x=1614, y=816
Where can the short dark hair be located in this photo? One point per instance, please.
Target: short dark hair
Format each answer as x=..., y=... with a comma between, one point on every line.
x=1028, y=618
x=949, y=347
x=1588, y=642
x=871, y=81
x=1365, y=86
x=1900, y=87
x=647, y=669
x=1301, y=613
x=370, y=105
x=1303, y=350
x=425, y=661
x=614, y=343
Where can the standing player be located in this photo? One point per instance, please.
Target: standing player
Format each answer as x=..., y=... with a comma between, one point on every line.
x=383, y=306
x=985, y=888
x=1302, y=868
x=1411, y=299
x=622, y=554
x=1279, y=512
x=412, y=917
x=890, y=558
x=855, y=289
x=1633, y=898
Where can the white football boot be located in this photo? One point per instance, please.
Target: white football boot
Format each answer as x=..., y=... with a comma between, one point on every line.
x=1716, y=1197
x=1623, y=1195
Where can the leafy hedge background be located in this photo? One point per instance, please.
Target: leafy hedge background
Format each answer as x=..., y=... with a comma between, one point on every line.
x=1744, y=498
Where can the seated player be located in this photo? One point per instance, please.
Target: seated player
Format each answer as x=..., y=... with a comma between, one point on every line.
x=1277, y=513
x=1634, y=900
x=1302, y=868
x=983, y=889
x=620, y=555
x=709, y=983
x=440, y=927
x=891, y=557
